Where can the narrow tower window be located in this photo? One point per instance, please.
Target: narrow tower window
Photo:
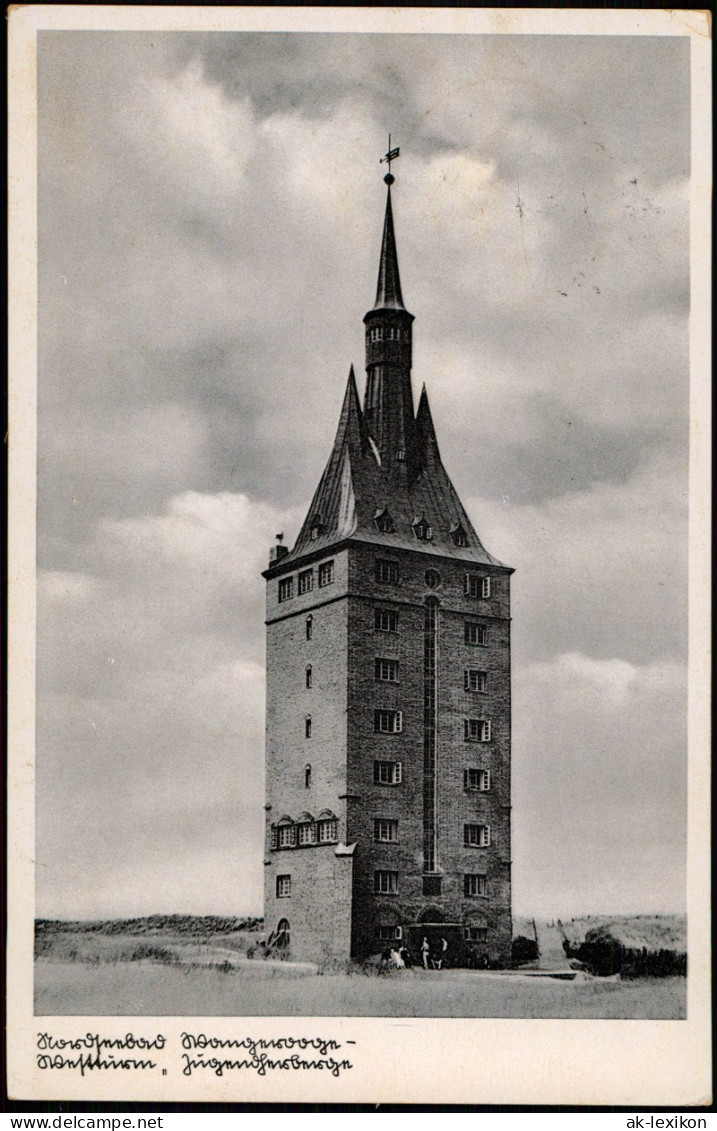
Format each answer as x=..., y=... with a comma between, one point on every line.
x=307, y=776
x=286, y=588
x=430, y=658
x=385, y=620
x=308, y=676
x=387, y=670
x=306, y=581
x=309, y=627
x=307, y=726
x=326, y=574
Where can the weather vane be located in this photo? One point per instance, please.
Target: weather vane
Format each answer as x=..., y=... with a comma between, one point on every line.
x=389, y=157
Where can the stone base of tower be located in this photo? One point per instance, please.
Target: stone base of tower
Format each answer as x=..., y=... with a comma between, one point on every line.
x=317, y=907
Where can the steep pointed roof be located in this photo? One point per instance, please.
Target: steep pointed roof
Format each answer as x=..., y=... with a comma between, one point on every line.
x=332, y=514
x=425, y=430
x=388, y=290
x=355, y=490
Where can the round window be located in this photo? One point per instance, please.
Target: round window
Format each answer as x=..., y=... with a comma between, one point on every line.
x=433, y=578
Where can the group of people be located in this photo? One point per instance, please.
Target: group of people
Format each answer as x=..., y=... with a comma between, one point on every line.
x=432, y=959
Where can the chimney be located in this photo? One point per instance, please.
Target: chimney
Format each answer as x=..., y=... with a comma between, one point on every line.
x=276, y=553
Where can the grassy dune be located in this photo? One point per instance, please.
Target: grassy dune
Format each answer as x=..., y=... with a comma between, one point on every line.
x=655, y=932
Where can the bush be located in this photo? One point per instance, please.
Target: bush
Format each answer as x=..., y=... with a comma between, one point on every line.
x=604, y=955
x=523, y=950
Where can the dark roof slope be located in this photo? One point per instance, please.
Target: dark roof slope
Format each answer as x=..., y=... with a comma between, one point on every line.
x=358, y=499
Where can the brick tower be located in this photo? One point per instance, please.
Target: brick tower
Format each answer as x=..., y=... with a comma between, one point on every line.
x=388, y=689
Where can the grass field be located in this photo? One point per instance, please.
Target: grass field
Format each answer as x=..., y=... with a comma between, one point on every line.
x=182, y=966
x=143, y=987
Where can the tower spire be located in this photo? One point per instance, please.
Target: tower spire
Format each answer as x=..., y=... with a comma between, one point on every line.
x=388, y=290
x=388, y=403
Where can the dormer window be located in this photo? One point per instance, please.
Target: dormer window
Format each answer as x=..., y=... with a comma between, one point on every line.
x=316, y=527
x=401, y=454
x=458, y=535
x=383, y=521
x=421, y=529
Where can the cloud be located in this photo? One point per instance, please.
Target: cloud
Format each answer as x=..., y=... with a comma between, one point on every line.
x=210, y=211
x=599, y=793
x=151, y=713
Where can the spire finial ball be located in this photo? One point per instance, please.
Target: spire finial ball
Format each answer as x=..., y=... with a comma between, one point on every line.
x=389, y=178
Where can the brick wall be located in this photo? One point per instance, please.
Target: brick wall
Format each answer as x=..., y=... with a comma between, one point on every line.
x=455, y=806
x=333, y=907
x=319, y=906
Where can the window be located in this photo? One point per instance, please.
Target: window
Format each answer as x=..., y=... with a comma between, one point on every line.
x=327, y=830
x=309, y=676
x=431, y=885
x=476, y=730
x=287, y=836
x=433, y=578
x=386, y=620
x=475, y=680
x=477, y=586
x=384, y=830
x=459, y=536
x=307, y=726
x=385, y=883
x=387, y=572
x=387, y=932
x=475, y=633
x=421, y=529
x=309, y=627
x=475, y=884
x=388, y=722
x=305, y=832
x=476, y=779
x=283, y=934
x=326, y=574
x=475, y=934
x=283, y=887
x=306, y=581
x=286, y=588
x=316, y=527
x=307, y=776
x=387, y=773
x=383, y=521
x=476, y=836
x=387, y=670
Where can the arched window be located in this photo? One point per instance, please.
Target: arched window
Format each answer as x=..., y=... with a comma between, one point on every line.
x=309, y=627
x=307, y=775
x=327, y=827
x=283, y=934
x=308, y=675
x=307, y=726
x=285, y=833
x=305, y=829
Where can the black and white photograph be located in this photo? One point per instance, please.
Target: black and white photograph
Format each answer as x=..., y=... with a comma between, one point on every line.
x=366, y=426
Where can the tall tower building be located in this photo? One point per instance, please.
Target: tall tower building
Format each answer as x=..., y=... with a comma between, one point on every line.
x=388, y=688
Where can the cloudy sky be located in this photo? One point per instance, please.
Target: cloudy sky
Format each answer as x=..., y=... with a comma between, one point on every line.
x=209, y=227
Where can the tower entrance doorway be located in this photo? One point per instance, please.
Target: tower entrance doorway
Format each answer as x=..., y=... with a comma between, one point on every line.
x=454, y=954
